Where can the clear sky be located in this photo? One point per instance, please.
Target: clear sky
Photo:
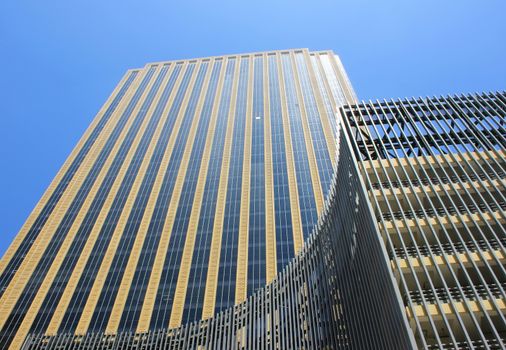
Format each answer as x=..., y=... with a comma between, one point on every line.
x=61, y=60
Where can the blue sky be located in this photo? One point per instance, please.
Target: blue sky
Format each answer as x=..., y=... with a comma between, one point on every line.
x=61, y=60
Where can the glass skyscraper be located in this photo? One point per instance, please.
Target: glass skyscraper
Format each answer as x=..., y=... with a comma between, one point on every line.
x=195, y=184
x=251, y=202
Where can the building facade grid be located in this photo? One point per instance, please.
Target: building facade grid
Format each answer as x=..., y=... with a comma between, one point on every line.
x=249, y=202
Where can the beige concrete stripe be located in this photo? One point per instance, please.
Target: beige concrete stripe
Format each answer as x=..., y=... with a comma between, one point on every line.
x=60, y=257
x=313, y=166
x=425, y=313
x=270, y=221
x=322, y=112
x=241, y=285
x=186, y=259
x=333, y=102
x=215, y=250
x=341, y=76
x=298, y=237
x=148, y=213
x=121, y=298
x=449, y=309
x=29, y=264
x=4, y=261
x=84, y=257
x=458, y=260
x=96, y=290
x=447, y=222
x=77, y=180
x=156, y=272
x=408, y=195
x=468, y=163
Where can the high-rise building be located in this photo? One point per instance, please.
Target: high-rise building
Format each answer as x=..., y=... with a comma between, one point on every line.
x=434, y=170
x=195, y=184
x=249, y=202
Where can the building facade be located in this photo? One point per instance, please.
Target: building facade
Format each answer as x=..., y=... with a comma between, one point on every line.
x=434, y=170
x=195, y=184
x=250, y=202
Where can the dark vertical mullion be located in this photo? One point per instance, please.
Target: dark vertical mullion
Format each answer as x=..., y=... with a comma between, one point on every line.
x=303, y=175
x=256, y=235
x=166, y=289
x=86, y=281
x=318, y=140
x=73, y=254
x=58, y=237
x=140, y=277
x=228, y=256
x=60, y=188
x=198, y=272
x=284, y=231
x=114, y=169
x=124, y=191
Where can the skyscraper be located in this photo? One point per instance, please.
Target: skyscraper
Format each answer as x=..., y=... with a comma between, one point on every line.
x=195, y=184
x=250, y=202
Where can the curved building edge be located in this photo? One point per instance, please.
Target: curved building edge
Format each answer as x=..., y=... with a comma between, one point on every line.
x=338, y=292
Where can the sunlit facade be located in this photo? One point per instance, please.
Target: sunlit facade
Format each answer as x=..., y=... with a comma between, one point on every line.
x=196, y=183
x=251, y=202
x=434, y=170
